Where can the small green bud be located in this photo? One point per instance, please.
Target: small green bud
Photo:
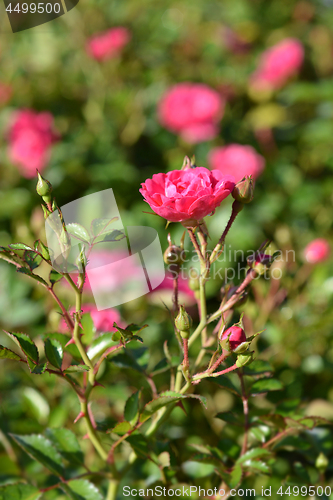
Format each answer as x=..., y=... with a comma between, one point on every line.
x=44, y=251
x=81, y=260
x=174, y=255
x=322, y=462
x=245, y=359
x=44, y=188
x=194, y=282
x=65, y=243
x=244, y=190
x=46, y=211
x=183, y=323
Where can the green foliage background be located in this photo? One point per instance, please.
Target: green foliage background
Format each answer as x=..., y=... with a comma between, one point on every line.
x=106, y=115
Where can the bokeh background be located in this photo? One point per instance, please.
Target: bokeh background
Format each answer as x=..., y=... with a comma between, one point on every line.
x=106, y=134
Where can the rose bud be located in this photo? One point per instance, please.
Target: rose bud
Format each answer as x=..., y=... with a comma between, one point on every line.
x=44, y=188
x=322, y=462
x=244, y=190
x=245, y=359
x=183, y=323
x=174, y=255
x=261, y=262
x=232, y=338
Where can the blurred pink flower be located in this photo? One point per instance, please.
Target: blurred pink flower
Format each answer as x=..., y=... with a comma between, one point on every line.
x=317, y=251
x=191, y=110
x=30, y=138
x=278, y=64
x=236, y=160
x=186, y=195
x=108, y=44
x=103, y=320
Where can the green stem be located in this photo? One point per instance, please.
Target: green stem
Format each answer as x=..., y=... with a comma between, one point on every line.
x=236, y=208
x=112, y=490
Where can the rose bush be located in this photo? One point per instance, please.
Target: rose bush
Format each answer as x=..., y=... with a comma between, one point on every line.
x=183, y=195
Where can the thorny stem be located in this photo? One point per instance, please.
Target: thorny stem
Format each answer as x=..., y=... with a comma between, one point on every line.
x=236, y=208
x=246, y=411
x=67, y=317
x=196, y=244
x=199, y=376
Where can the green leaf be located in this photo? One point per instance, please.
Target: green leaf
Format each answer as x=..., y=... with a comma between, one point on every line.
x=114, y=235
x=82, y=489
x=8, y=354
x=130, y=358
x=26, y=344
x=258, y=367
x=121, y=428
x=77, y=369
x=235, y=476
x=54, y=352
x=33, y=259
x=226, y=383
x=257, y=466
x=42, y=450
x=254, y=453
x=266, y=385
x=66, y=444
x=63, y=340
x=99, y=226
x=19, y=491
x=36, y=369
x=24, y=270
x=100, y=345
x=231, y=418
x=88, y=327
x=54, y=277
x=166, y=398
x=132, y=408
x=20, y=246
x=139, y=444
x=78, y=231
x=11, y=257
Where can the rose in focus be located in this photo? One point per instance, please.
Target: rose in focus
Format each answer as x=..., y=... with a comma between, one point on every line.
x=108, y=44
x=191, y=110
x=237, y=160
x=30, y=138
x=277, y=65
x=184, y=195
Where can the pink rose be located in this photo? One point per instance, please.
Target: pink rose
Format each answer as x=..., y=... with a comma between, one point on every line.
x=182, y=195
x=30, y=138
x=191, y=110
x=317, y=251
x=236, y=160
x=108, y=44
x=278, y=64
x=103, y=320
